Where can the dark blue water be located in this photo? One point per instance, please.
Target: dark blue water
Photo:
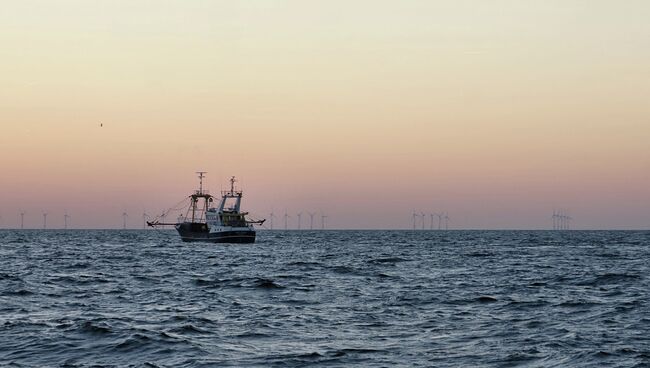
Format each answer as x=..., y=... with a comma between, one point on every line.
x=326, y=298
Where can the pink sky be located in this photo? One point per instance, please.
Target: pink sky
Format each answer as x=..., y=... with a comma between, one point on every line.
x=497, y=112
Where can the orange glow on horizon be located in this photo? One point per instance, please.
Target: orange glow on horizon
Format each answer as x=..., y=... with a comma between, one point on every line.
x=496, y=112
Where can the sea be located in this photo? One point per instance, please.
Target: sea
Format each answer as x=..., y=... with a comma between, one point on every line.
x=143, y=298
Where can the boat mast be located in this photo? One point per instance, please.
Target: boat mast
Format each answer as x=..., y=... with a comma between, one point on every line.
x=201, y=180
x=195, y=198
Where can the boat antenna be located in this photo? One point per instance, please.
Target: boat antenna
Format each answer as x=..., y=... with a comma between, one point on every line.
x=201, y=176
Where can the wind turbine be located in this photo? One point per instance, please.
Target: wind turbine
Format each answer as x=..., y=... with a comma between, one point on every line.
x=65, y=220
x=271, y=216
x=299, y=220
x=44, y=220
x=311, y=220
x=446, y=221
x=566, y=219
x=22, y=220
x=414, y=216
x=423, y=217
x=286, y=218
x=439, y=220
x=144, y=219
x=431, y=214
x=559, y=220
x=322, y=219
x=124, y=216
x=554, y=218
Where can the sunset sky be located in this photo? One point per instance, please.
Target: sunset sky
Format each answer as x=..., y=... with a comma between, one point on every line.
x=496, y=111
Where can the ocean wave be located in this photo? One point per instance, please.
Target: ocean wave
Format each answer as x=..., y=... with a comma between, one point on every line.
x=477, y=298
x=94, y=328
x=189, y=329
x=16, y=292
x=610, y=278
x=385, y=260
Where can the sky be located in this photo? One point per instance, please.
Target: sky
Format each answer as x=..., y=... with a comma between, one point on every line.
x=497, y=112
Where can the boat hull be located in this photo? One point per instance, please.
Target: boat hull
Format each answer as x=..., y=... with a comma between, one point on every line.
x=192, y=232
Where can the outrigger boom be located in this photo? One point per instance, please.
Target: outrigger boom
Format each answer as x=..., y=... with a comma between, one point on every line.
x=158, y=223
x=225, y=223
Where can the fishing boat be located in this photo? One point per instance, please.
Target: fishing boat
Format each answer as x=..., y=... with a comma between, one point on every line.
x=223, y=223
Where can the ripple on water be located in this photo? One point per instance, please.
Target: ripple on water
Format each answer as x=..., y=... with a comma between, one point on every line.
x=325, y=298
x=94, y=328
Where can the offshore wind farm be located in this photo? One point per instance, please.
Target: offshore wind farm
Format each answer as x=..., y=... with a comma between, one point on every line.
x=560, y=220
x=380, y=183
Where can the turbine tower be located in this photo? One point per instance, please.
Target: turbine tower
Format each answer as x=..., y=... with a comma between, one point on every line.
x=271, y=216
x=560, y=220
x=311, y=220
x=414, y=216
x=22, y=220
x=322, y=219
x=554, y=218
x=44, y=220
x=124, y=216
x=286, y=219
x=299, y=220
x=439, y=220
x=144, y=219
x=565, y=221
x=446, y=221
x=65, y=220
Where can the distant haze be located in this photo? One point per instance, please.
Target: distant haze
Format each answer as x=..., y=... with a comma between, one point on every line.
x=497, y=112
